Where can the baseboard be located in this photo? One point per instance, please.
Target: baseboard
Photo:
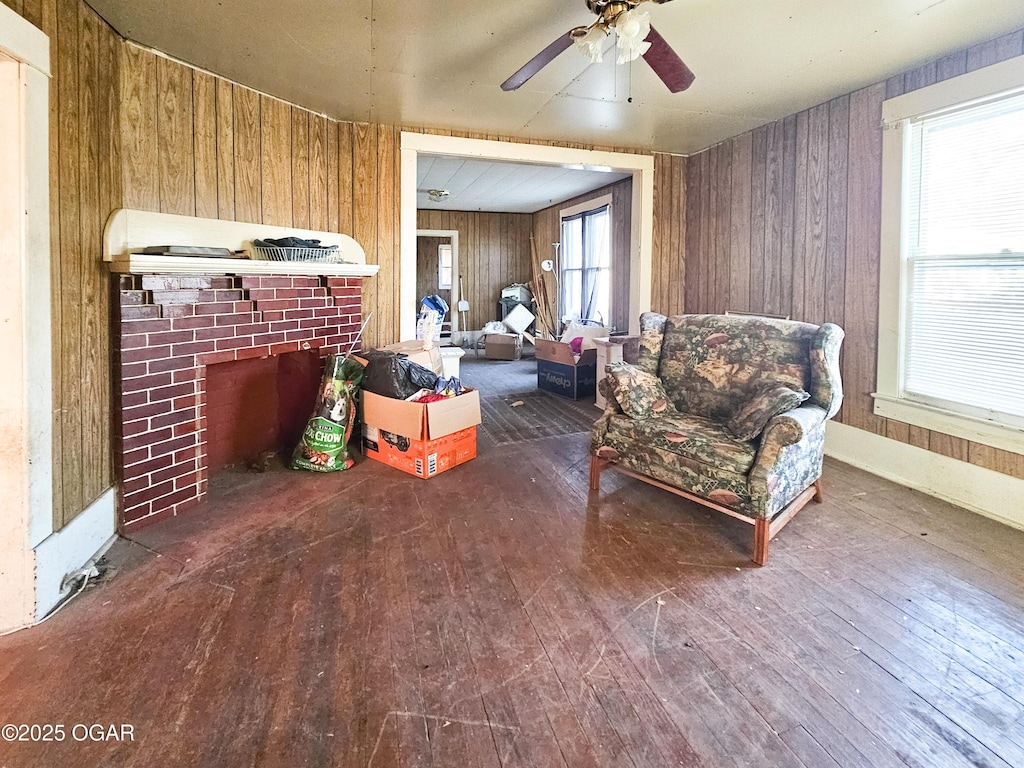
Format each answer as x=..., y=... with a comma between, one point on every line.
x=64, y=551
x=989, y=493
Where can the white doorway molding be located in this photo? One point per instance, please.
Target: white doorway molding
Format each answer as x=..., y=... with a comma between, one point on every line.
x=641, y=228
x=453, y=236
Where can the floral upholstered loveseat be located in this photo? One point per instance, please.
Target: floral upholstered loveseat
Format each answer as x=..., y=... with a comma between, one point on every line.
x=725, y=410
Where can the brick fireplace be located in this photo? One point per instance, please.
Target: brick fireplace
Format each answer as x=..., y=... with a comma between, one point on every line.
x=172, y=327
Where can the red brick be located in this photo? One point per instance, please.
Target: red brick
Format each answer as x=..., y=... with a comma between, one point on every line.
x=145, y=383
x=193, y=348
x=224, y=331
x=251, y=329
x=130, y=458
x=186, y=428
x=134, y=398
x=313, y=303
x=326, y=312
x=132, y=428
x=146, y=439
x=137, y=514
x=345, y=292
x=170, y=337
x=236, y=342
x=252, y=352
x=284, y=325
x=171, y=364
x=143, y=411
x=171, y=392
x=145, y=353
x=133, y=340
x=176, y=311
x=298, y=314
x=194, y=322
x=253, y=281
x=273, y=316
x=215, y=308
x=144, y=325
x=188, y=401
x=238, y=318
x=176, y=471
x=149, y=493
x=212, y=358
x=174, y=417
x=272, y=304
x=134, y=369
x=185, y=455
x=186, y=493
x=161, y=283
x=228, y=295
x=173, y=444
x=146, y=312
x=186, y=374
x=284, y=348
x=267, y=338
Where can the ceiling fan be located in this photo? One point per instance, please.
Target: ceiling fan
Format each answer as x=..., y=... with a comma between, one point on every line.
x=635, y=37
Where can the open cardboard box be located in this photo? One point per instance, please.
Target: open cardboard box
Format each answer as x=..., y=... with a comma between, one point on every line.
x=428, y=358
x=559, y=372
x=423, y=439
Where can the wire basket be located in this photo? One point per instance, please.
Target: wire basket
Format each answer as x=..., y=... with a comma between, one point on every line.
x=280, y=253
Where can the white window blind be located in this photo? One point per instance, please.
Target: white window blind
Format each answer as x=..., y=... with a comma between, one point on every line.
x=964, y=251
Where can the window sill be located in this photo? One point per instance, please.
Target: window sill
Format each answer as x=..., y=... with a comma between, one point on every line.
x=989, y=433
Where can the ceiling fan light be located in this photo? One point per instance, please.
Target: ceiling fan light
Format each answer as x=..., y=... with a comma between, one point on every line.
x=590, y=45
x=632, y=28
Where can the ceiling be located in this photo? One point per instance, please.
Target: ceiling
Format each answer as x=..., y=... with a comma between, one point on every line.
x=440, y=62
x=485, y=185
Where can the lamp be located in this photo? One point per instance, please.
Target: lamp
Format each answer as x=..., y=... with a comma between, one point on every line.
x=438, y=195
x=631, y=30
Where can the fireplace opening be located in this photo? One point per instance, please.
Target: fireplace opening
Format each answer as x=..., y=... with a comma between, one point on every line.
x=258, y=405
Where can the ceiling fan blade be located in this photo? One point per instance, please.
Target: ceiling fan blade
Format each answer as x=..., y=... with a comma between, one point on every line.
x=666, y=63
x=537, y=63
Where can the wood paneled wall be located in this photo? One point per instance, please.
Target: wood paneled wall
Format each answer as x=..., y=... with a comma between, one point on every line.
x=547, y=229
x=426, y=268
x=198, y=145
x=786, y=220
x=84, y=187
x=668, y=268
x=494, y=251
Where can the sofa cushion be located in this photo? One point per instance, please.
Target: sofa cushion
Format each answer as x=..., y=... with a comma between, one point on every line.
x=751, y=419
x=652, y=332
x=638, y=393
x=694, y=438
x=711, y=364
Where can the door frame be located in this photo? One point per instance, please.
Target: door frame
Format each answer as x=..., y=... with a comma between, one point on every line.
x=453, y=235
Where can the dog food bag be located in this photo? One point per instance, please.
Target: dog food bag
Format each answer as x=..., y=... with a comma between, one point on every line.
x=324, y=443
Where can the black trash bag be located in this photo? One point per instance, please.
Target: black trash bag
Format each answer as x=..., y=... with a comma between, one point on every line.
x=324, y=443
x=391, y=374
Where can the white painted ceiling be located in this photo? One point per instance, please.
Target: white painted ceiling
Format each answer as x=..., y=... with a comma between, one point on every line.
x=484, y=185
x=439, y=62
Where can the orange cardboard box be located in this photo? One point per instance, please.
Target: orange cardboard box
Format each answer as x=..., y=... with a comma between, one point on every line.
x=423, y=439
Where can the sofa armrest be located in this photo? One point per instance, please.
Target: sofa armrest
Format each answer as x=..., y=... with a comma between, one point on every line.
x=787, y=429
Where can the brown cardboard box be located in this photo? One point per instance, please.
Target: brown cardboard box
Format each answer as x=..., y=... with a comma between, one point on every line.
x=423, y=439
x=504, y=346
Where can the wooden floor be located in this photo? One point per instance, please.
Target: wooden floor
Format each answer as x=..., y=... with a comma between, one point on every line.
x=502, y=615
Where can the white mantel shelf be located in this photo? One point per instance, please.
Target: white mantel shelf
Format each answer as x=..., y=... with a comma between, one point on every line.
x=131, y=230
x=149, y=264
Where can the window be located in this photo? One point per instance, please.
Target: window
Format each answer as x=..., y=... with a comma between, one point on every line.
x=586, y=264
x=952, y=305
x=444, y=266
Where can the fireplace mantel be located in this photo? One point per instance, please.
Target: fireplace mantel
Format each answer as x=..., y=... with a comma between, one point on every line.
x=131, y=230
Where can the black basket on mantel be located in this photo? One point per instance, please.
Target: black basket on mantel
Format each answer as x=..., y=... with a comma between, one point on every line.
x=267, y=252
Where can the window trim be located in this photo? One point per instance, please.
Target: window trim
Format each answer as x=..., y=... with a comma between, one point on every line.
x=593, y=204
x=997, y=80
x=441, y=286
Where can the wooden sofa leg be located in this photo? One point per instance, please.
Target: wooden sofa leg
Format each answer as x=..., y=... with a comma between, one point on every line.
x=818, y=496
x=597, y=466
x=762, y=535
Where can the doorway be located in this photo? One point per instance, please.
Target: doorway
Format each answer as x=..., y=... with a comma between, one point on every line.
x=437, y=272
x=641, y=167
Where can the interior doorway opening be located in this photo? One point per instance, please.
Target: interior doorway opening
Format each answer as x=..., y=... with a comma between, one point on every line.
x=437, y=272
